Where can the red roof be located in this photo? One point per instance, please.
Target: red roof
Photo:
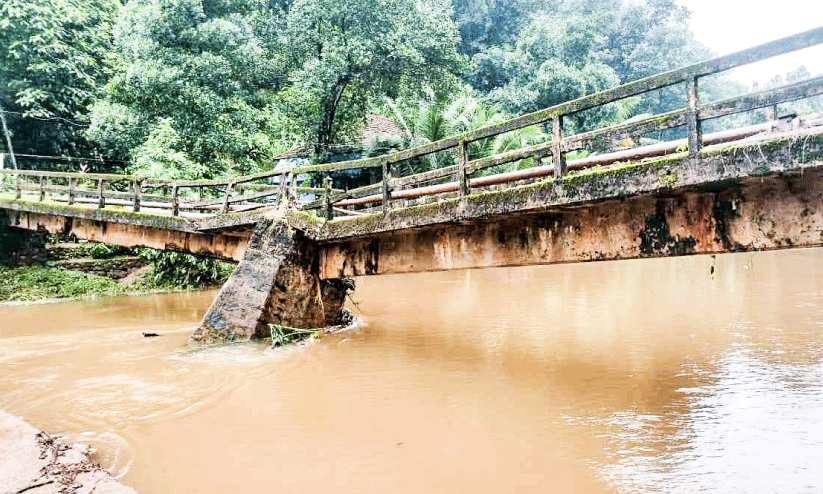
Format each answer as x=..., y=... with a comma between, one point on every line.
x=378, y=124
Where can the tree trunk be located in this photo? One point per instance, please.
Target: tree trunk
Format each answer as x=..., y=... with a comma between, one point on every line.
x=8, y=138
x=325, y=131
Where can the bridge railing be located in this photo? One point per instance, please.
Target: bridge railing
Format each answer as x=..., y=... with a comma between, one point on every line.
x=691, y=116
x=105, y=190
x=242, y=193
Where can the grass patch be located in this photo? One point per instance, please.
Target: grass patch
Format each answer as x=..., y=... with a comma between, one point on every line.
x=36, y=283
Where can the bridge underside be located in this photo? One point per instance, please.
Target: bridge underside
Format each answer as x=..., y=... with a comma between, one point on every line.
x=751, y=214
x=227, y=244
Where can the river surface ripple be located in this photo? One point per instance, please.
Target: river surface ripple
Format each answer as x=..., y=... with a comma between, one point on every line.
x=654, y=376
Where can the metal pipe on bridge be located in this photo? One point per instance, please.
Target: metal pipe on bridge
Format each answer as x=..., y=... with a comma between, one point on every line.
x=652, y=151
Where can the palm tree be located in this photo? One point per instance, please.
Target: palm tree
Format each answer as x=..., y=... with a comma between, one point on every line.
x=437, y=119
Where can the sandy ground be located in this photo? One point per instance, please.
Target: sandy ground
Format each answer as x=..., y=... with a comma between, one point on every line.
x=33, y=462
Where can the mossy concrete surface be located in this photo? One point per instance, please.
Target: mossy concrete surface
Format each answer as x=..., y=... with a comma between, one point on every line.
x=109, y=215
x=228, y=245
x=276, y=282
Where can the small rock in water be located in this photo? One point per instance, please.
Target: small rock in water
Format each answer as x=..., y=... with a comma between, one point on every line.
x=150, y=335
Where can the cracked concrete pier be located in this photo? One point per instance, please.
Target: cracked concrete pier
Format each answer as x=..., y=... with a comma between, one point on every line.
x=276, y=282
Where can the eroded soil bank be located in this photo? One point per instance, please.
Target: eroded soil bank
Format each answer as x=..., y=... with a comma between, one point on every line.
x=34, y=462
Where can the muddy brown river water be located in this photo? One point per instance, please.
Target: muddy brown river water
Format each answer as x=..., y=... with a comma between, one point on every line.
x=632, y=376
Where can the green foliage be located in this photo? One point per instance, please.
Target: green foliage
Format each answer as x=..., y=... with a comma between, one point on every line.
x=162, y=156
x=554, y=60
x=436, y=118
x=54, y=58
x=105, y=251
x=380, y=144
x=489, y=23
x=571, y=48
x=55, y=54
x=196, y=79
x=342, y=53
x=37, y=283
x=179, y=270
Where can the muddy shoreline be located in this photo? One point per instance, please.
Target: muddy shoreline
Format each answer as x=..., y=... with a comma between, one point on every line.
x=34, y=462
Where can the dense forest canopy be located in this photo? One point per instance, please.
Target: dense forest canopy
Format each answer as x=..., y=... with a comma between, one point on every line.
x=202, y=88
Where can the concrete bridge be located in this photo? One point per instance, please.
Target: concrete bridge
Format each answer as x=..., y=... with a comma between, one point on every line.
x=754, y=188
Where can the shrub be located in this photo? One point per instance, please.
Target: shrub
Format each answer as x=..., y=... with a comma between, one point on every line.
x=176, y=269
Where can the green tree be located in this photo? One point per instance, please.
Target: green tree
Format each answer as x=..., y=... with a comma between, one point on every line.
x=485, y=24
x=556, y=59
x=436, y=118
x=200, y=69
x=575, y=47
x=343, y=53
x=160, y=156
x=54, y=58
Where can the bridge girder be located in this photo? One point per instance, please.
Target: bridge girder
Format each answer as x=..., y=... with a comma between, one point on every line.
x=228, y=245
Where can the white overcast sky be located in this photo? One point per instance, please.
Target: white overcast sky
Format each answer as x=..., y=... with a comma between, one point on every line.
x=727, y=26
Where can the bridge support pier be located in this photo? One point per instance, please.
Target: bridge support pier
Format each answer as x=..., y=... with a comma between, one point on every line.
x=276, y=282
x=21, y=247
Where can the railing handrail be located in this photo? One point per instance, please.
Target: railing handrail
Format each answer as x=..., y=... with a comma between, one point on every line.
x=75, y=175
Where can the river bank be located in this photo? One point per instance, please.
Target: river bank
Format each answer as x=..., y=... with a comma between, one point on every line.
x=42, y=285
x=35, y=462
x=87, y=270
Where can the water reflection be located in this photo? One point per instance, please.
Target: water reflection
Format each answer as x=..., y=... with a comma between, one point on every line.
x=755, y=426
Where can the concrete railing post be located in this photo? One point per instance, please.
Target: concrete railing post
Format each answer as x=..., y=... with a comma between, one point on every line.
x=386, y=186
x=71, y=192
x=135, y=188
x=101, y=198
x=327, y=184
x=557, y=147
x=227, y=197
x=18, y=189
x=282, y=187
x=175, y=200
x=462, y=169
x=692, y=119
x=42, y=189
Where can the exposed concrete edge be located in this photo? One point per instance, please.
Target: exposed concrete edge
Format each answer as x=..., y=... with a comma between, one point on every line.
x=34, y=462
x=789, y=153
x=158, y=221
